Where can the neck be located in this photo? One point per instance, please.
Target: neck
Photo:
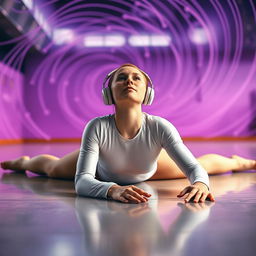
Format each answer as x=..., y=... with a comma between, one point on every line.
x=128, y=121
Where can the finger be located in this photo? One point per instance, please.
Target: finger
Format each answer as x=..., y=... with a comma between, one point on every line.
x=211, y=197
x=190, y=195
x=198, y=195
x=204, y=196
x=145, y=199
x=183, y=192
x=136, y=195
x=141, y=191
x=131, y=198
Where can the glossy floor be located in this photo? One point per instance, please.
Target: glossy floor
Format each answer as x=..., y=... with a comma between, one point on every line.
x=40, y=216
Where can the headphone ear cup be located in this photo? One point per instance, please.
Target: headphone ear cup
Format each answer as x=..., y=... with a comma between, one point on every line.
x=107, y=97
x=149, y=96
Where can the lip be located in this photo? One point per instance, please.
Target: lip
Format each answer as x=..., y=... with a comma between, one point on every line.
x=129, y=88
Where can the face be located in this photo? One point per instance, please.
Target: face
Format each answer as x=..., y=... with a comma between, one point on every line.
x=128, y=86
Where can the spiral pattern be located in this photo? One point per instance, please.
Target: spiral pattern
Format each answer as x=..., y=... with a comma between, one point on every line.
x=204, y=78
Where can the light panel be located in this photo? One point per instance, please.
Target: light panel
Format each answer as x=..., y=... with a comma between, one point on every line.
x=63, y=36
x=94, y=41
x=198, y=36
x=139, y=40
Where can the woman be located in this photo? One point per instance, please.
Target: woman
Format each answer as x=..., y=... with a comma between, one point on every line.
x=131, y=146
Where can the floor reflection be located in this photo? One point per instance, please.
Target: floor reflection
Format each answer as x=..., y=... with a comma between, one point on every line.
x=112, y=228
x=48, y=211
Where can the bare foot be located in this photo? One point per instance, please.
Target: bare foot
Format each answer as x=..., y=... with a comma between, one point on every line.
x=244, y=163
x=15, y=165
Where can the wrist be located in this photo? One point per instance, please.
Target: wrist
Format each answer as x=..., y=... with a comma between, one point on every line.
x=111, y=190
x=201, y=183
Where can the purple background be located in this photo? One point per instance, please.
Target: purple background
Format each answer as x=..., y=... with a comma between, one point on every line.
x=205, y=90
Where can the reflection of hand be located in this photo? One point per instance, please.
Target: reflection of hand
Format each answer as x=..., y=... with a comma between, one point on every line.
x=128, y=194
x=130, y=209
x=199, y=191
x=196, y=207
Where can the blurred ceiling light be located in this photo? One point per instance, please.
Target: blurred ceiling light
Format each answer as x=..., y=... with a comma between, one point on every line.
x=149, y=40
x=139, y=40
x=198, y=35
x=28, y=3
x=63, y=36
x=93, y=41
x=114, y=40
x=160, y=40
x=104, y=41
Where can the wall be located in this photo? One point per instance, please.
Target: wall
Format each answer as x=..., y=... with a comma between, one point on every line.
x=11, y=103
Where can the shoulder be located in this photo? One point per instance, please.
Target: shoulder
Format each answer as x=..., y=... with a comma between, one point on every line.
x=100, y=120
x=159, y=121
x=96, y=124
x=162, y=126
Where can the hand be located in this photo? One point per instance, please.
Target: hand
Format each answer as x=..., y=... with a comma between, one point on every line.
x=199, y=191
x=128, y=194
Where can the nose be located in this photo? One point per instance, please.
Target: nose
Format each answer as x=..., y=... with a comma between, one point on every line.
x=129, y=80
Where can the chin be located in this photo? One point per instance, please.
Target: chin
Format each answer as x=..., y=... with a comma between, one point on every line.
x=129, y=102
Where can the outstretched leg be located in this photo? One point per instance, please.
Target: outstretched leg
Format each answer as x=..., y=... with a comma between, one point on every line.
x=212, y=163
x=217, y=164
x=53, y=167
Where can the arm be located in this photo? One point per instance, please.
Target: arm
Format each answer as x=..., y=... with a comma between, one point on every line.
x=85, y=182
x=178, y=151
x=198, y=177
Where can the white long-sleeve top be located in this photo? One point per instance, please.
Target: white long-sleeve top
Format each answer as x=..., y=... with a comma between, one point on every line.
x=106, y=158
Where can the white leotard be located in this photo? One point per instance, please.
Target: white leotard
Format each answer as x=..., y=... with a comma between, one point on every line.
x=105, y=154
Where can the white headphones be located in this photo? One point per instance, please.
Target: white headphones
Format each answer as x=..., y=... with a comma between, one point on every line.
x=107, y=95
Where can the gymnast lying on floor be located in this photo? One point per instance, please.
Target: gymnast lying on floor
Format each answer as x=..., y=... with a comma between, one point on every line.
x=131, y=146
